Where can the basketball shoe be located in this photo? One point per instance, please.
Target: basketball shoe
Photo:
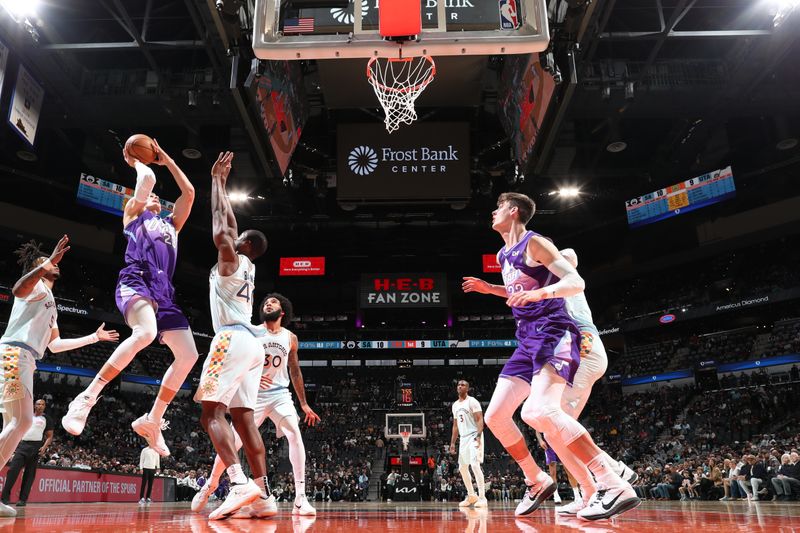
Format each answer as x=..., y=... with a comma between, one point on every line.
x=261, y=508
x=75, y=419
x=536, y=494
x=200, y=499
x=241, y=494
x=302, y=507
x=150, y=430
x=609, y=501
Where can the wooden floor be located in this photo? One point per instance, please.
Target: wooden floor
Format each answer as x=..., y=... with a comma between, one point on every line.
x=703, y=517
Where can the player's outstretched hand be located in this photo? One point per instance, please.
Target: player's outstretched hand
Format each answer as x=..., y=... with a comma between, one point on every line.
x=222, y=167
x=162, y=157
x=106, y=335
x=311, y=417
x=61, y=248
x=523, y=298
x=471, y=284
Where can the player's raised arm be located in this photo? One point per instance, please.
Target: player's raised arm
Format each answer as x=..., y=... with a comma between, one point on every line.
x=24, y=285
x=221, y=216
x=183, y=205
x=145, y=181
x=296, y=375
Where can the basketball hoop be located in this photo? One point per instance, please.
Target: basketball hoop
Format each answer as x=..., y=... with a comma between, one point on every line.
x=405, y=436
x=398, y=82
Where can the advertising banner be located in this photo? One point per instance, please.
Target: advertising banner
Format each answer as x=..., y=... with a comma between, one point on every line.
x=403, y=290
x=490, y=263
x=420, y=162
x=302, y=266
x=63, y=485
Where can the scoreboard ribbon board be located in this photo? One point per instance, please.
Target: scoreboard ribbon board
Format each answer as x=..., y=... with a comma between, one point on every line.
x=680, y=198
x=407, y=344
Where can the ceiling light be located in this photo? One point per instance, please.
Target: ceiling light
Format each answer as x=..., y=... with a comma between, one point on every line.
x=783, y=10
x=616, y=146
x=237, y=197
x=568, y=192
x=20, y=9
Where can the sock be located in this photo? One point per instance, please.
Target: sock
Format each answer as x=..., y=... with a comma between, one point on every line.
x=263, y=484
x=158, y=410
x=299, y=489
x=603, y=472
x=216, y=472
x=95, y=387
x=236, y=474
x=479, y=480
x=576, y=493
x=531, y=470
x=615, y=466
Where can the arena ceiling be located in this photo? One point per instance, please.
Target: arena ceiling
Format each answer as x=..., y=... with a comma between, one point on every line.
x=688, y=85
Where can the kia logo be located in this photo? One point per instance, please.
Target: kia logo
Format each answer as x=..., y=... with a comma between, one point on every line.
x=363, y=160
x=301, y=264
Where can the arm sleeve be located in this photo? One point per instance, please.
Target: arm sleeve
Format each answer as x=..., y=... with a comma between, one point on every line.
x=37, y=293
x=145, y=181
x=62, y=345
x=570, y=284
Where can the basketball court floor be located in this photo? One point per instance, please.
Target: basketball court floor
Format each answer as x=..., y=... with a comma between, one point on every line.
x=427, y=517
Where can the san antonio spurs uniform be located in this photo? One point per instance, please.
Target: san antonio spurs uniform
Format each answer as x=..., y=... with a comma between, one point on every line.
x=468, y=452
x=274, y=399
x=232, y=370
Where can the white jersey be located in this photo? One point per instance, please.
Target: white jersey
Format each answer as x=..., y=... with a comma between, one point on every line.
x=232, y=296
x=578, y=309
x=462, y=413
x=276, y=358
x=32, y=320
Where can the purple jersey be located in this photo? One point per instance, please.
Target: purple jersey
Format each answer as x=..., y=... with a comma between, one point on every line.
x=152, y=244
x=518, y=276
x=149, y=265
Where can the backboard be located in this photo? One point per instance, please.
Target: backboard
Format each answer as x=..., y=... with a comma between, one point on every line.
x=399, y=422
x=449, y=28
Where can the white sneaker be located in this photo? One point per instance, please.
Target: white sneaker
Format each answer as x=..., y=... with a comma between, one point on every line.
x=556, y=497
x=142, y=501
x=302, y=507
x=535, y=495
x=610, y=501
x=7, y=510
x=469, y=500
x=260, y=508
x=481, y=503
x=571, y=509
x=75, y=419
x=200, y=499
x=150, y=430
x=241, y=494
x=626, y=473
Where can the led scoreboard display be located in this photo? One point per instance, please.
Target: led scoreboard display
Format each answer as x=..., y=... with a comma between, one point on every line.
x=110, y=197
x=680, y=198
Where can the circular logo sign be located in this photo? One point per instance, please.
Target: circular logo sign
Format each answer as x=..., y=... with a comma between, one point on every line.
x=363, y=160
x=347, y=15
x=666, y=319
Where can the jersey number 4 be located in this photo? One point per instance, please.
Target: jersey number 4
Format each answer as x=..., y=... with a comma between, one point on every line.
x=244, y=292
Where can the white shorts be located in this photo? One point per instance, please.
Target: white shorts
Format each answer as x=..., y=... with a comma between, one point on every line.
x=16, y=373
x=232, y=371
x=275, y=405
x=594, y=362
x=468, y=452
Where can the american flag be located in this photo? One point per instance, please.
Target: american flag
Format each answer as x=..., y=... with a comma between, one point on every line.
x=298, y=25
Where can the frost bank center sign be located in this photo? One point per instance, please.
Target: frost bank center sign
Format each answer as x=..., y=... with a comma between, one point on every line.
x=432, y=161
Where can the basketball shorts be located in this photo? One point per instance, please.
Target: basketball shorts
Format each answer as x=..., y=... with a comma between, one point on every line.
x=232, y=371
x=275, y=405
x=470, y=451
x=593, y=364
x=16, y=374
x=155, y=287
x=544, y=341
x=550, y=456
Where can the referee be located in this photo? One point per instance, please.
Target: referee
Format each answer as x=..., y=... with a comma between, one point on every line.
x=34, y=444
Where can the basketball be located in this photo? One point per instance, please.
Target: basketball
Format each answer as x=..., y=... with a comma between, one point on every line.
x=142, y=148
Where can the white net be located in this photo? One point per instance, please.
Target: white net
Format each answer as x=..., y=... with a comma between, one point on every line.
x=397, y=84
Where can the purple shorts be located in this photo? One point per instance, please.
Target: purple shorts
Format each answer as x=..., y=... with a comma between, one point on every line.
x=550, y=456
x=135, y=283
x=548, y=340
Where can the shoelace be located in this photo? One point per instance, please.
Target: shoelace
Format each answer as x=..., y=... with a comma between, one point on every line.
x=164, y=424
